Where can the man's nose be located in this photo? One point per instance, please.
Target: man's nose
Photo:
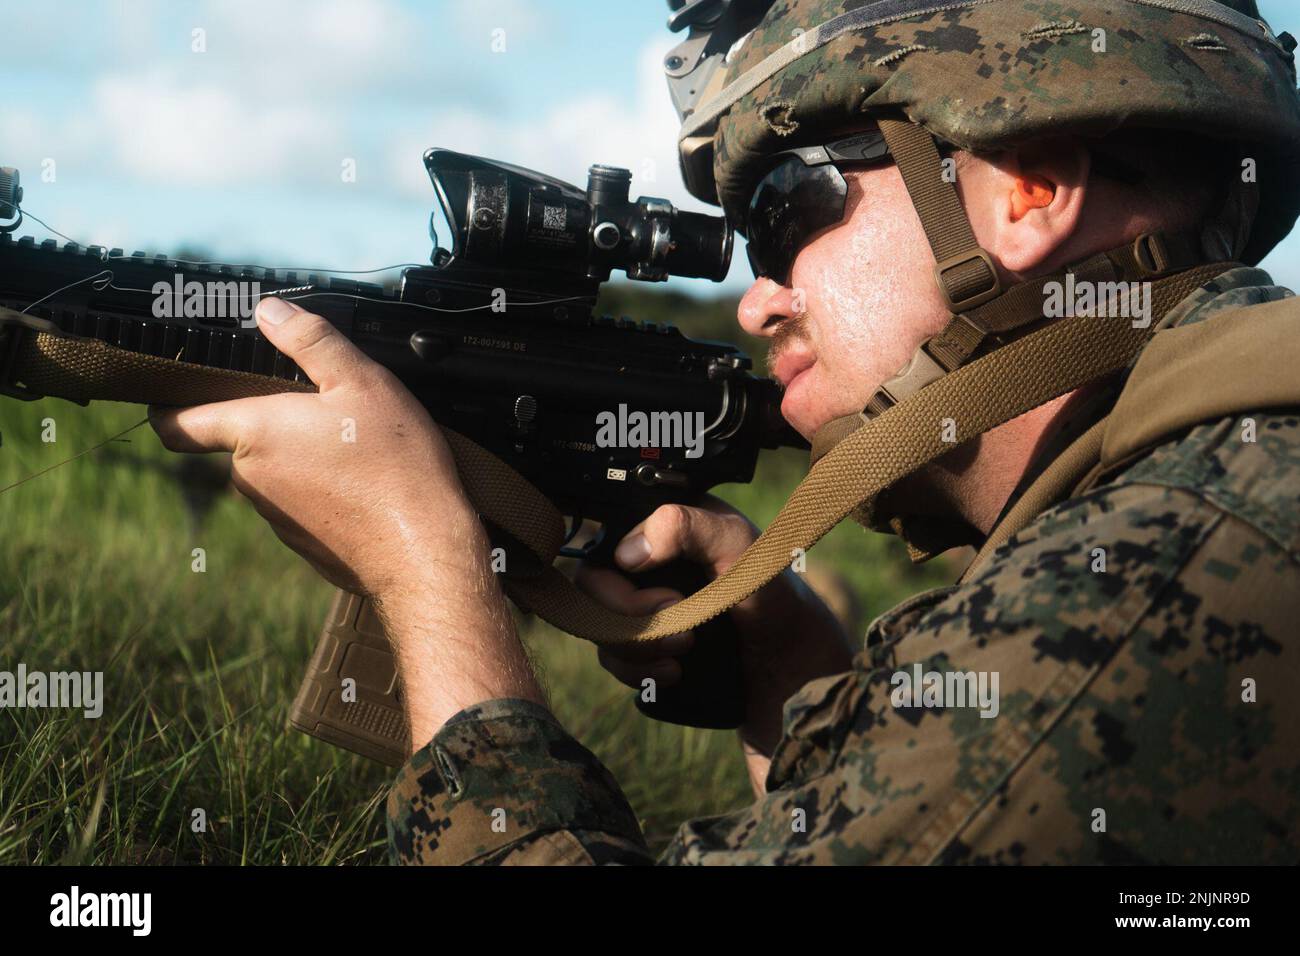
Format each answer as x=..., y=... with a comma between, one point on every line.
x=764, y=307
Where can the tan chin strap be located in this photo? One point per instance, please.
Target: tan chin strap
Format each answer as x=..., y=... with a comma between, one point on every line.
x=984, y=331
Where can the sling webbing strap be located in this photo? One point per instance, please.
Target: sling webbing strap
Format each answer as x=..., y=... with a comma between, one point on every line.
x=82, y=369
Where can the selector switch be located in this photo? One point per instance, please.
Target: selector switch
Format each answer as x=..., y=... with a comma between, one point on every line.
x=649, y=475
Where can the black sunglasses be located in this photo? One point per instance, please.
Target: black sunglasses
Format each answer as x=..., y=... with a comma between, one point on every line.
x=805, y=192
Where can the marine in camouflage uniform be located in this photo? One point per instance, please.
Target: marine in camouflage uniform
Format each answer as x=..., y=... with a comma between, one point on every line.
x=1143, y=630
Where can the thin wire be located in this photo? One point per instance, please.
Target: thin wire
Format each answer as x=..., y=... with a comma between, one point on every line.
x=433, y=308
x=47, y=226
x=97, y=275
x=60, y=464
x=302, y=293
x=105, y=257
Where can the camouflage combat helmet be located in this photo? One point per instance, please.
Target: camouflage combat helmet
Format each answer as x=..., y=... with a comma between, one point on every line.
x=992, y=74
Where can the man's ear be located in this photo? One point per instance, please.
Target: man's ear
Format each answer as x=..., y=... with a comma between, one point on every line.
x=1038, y=202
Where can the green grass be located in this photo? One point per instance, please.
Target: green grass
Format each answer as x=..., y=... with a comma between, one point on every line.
x=200, y=668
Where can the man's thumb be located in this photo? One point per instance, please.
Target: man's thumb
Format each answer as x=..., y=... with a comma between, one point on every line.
x=323, y=353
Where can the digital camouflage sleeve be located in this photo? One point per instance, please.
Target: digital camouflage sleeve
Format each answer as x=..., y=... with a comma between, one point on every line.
x=1144, y=639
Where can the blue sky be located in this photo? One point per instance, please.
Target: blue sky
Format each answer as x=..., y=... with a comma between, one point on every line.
x=239, y=149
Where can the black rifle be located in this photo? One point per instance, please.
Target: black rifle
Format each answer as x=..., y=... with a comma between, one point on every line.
x=497, y=338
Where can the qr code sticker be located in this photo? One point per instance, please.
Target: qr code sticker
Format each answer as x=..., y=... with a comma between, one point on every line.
x=553, y=217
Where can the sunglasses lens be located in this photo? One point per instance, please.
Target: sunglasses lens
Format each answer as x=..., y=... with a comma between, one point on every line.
x=791, y=204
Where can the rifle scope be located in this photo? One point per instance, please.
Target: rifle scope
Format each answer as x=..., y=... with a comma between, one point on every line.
x=506, y=217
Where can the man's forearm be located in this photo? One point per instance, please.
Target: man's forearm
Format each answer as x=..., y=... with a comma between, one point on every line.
x=454, y=638
x=493, y=777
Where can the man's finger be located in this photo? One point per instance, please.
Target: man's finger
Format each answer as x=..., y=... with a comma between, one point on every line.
x=323, y=352
x=713, y=539
x=201, y=428
x=617, y=593
x=663, y=648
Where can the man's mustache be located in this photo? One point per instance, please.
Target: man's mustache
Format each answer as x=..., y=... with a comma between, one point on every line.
x=787, y=332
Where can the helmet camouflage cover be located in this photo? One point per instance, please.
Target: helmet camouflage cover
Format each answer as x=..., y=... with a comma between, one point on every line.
x=986, y=75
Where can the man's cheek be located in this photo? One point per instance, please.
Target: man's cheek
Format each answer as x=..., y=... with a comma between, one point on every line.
x=839, y=365
x=839, y=385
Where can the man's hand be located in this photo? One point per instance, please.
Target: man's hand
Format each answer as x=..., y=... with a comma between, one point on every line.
x=788, y=636
x=358, y=480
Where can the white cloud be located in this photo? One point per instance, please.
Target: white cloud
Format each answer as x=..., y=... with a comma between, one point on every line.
x=307, y=48
x=204, y=135
x=478, y=18
x=153, y=127
x=283, y=94
x=592, y=128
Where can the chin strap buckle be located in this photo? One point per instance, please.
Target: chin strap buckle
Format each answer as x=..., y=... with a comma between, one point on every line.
x=919, y=372
x=967, y=280
x=1159, y=253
